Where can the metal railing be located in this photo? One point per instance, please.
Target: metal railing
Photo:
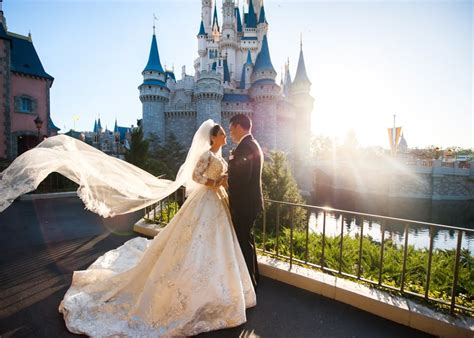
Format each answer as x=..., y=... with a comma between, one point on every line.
x=275, y=249
x=161, y=213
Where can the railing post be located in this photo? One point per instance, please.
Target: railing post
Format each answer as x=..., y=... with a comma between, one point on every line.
x=307, y=237
x=382, y=228
x=291, y=236
x=264, y=226
x=277, y=229
x=323, y=243
x=405, y=251
x=341, y=243
x=456, y=272
x=430, y=257
x=360, y=250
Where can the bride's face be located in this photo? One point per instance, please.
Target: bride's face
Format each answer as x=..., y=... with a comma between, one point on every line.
x=220, y=139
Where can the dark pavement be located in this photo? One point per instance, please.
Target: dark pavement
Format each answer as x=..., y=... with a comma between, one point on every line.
x=42, y=242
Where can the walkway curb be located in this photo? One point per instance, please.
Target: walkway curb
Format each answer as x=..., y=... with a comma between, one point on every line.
x=380, y=303
x=30, y=197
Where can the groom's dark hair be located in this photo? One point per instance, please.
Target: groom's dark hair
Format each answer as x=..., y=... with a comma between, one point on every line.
x=242, y=120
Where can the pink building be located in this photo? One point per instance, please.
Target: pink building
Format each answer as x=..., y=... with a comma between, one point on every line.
x=24, y=94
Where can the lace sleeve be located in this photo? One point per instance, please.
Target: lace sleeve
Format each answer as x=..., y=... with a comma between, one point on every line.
x=200, y=169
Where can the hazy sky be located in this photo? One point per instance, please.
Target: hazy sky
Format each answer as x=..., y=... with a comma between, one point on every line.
x=367, y=60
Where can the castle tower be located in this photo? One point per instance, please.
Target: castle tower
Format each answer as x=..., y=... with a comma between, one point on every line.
x=206, y=10
x=208, y=96
x=202, y=48
x=262, y=25
x=228, y=43
x=303, y=103
x=154, y=94
x=264, y=94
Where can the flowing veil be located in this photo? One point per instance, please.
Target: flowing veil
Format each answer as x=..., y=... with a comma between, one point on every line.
x=108, y=186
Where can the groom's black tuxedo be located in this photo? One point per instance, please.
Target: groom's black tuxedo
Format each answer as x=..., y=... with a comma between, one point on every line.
x=245, y=197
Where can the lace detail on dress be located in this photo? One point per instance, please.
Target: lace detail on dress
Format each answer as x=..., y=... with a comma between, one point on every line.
x=210, y=166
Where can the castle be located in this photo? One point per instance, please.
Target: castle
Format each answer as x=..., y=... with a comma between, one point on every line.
x=233, y=74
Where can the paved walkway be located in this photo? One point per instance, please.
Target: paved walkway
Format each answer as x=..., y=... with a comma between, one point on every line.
x=42, y=242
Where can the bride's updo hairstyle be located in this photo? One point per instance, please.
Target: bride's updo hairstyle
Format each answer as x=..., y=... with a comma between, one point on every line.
x=214, y=132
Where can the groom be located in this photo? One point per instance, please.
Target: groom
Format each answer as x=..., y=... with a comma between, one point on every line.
x=245, y=188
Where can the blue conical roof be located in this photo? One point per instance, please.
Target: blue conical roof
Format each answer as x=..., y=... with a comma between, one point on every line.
x=226, y=71
x=238, y=19
x=262, y=18
x=251, y=17
x=154, y=63
x=263, y=61
x=242, y=78
x=215, y=20
x=95, y=126
x=301, y=76
x=202, y=31
x=116, y=130
x=249, y=58
x=99, y=125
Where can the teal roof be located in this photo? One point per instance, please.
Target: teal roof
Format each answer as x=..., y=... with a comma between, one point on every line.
x=151, y=82
x=24, y=58
x=238, y=19
x=236, y=98
x=214, y=65
x=249, y=38
x=251, y=17
x=301, y=76
x=51, y=125
x=170, y=75
x=96, y=129
x=242, y=78
x=202, y=31
x=264, y=82
x=249, y=58
x=99, y=125
x=263, y=61
x=154, y=63
x=262, y=18
x=226, y=72
x=215, y=20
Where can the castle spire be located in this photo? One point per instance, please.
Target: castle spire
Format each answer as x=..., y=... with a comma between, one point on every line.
x=154, y=63
x=202, y=31
x=263, y=61
x=301, y=77
x=249, y=57
x=251, y=21
x=215, y=20
x=262, y=18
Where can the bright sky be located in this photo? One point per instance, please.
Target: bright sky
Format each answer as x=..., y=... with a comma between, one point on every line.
x=367, y=60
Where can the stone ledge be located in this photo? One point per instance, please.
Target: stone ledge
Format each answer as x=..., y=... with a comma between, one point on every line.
x=380, y=303
x=29, y=197
x=146, y=229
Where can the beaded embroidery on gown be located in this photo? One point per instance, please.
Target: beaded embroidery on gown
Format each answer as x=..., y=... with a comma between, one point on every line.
x=190, y=278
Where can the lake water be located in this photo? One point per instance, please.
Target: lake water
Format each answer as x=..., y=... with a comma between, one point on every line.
x=453, y=213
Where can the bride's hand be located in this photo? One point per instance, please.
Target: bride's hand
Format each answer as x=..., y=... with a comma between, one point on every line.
x=224, y=181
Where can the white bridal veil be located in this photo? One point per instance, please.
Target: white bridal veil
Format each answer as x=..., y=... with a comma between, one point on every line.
x=108, y=186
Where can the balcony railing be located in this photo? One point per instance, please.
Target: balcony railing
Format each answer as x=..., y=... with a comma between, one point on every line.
x=271, y=241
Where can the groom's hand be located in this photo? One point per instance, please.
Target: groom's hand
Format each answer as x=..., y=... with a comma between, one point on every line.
x=225, y=181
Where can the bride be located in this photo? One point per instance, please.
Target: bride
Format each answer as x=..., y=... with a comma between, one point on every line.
x=190, y=278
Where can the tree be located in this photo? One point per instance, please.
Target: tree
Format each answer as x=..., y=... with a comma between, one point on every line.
x=169, y=157
x=321, y=147
x=138, y=153
x=279, y=185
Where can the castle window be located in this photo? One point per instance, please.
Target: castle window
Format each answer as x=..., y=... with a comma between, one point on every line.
x=26, y=105
x=149, y=87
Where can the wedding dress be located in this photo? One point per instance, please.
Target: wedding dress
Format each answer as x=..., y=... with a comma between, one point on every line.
x=190, y=278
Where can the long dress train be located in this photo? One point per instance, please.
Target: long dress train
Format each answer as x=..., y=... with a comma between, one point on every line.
x=190, y=278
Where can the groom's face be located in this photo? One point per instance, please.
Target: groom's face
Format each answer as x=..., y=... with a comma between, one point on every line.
x=234, y=132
